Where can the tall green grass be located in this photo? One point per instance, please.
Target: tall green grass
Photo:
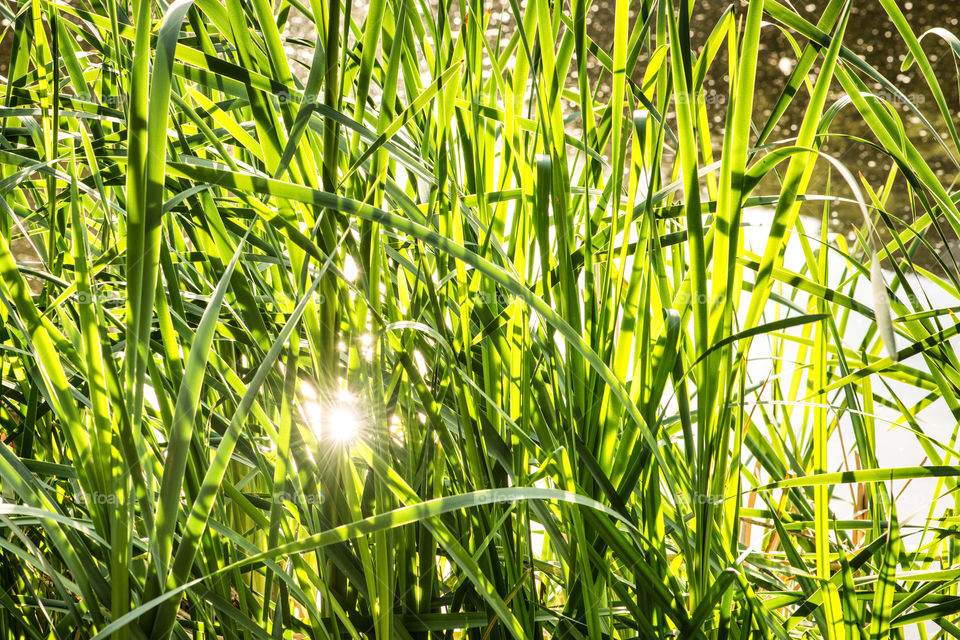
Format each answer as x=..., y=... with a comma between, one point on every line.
x=427, y=341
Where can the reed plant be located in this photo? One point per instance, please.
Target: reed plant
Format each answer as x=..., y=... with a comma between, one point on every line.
x=426, y=339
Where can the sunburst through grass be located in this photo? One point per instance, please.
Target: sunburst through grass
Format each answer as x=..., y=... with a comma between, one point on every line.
x=335, y=417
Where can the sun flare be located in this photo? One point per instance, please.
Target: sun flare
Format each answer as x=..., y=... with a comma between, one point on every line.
x=336, y=419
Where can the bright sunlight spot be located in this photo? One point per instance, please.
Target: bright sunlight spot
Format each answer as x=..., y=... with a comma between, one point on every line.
x=337, y=418
x=350, y=269
x=344, y=422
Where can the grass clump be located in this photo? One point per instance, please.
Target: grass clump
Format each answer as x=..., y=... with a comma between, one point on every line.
x=427, y=340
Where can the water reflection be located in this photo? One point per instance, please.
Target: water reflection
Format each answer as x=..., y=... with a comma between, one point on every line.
x=872, y=35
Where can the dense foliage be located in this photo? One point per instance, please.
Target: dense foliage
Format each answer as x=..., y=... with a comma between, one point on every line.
x=427, y=339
